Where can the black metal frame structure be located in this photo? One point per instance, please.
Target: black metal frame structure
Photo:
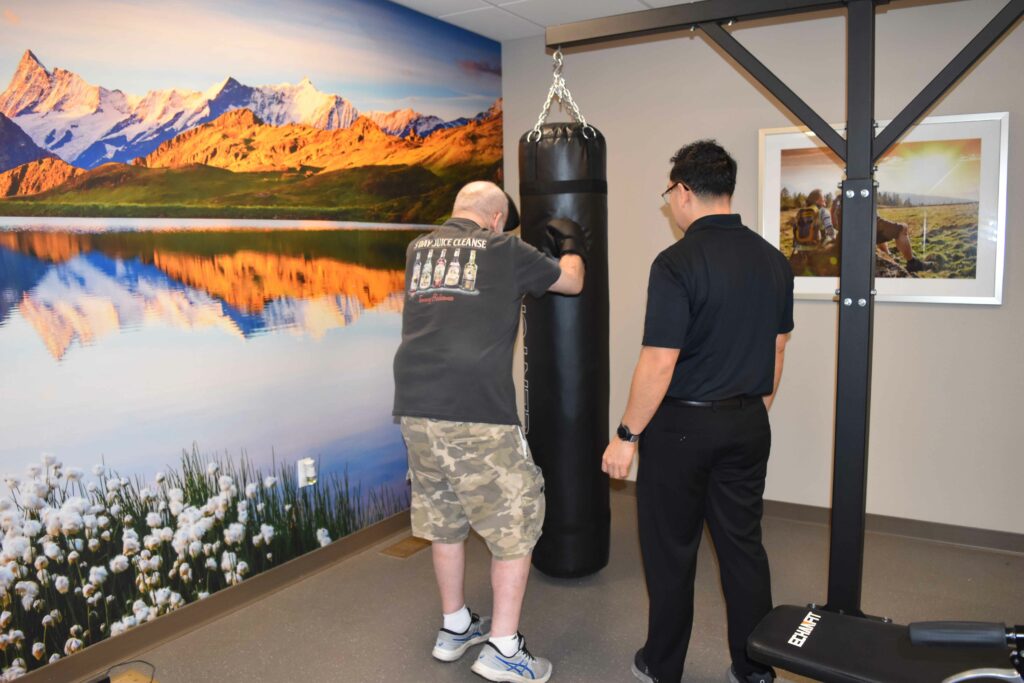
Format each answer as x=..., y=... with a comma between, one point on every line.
x=860, y=149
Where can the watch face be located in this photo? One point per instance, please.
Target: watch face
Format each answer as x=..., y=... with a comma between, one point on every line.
x=623, y=433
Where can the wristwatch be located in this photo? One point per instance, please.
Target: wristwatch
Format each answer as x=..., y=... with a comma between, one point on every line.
x=626, y=435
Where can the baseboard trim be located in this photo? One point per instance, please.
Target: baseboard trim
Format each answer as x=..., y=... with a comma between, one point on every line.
x=91, y=662
x=984, y=539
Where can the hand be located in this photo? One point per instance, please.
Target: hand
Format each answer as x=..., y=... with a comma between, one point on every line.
x=563, y=236
x=618, y=458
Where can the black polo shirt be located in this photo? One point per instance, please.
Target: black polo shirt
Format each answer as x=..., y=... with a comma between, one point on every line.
x=721, y=295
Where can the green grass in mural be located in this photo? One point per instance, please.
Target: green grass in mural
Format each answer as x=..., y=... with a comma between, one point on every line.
x=87, y=558
x=377, y=194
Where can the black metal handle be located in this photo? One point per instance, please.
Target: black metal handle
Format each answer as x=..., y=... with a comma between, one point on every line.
x=960, y=633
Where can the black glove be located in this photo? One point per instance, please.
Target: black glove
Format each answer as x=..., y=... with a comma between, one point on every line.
x=512, y=217
x=563, y=236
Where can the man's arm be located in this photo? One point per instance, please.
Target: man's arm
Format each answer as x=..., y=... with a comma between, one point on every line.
x=571, y=280
x=780, y=353
x=650, y=384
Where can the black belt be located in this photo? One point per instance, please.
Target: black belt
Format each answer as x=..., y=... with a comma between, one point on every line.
x=734, y=402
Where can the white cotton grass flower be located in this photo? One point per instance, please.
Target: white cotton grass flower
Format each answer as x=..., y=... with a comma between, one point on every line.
x=38, y=650
x=12, y=481
x=212, y=469
x=97, y=575
x=32, y=527
x=74, y=474
x=34, y=470
x=103, y=521
x=151, y=542
x=119, y=564
x=195, y=549
x=113, y=485
x=41, y=563
x=91, y=487
x=94, y=544
x=39, y=488
x=51, y=550
x=243, y=568
x=72, y=646
x=154, y=520
x=251, y=489
x=145, y=495
x=106, y=535
x=160, y=477
x=185, y=572
x=269, y=482
x=211, y=564
x=267, y=532
x=323, y=537
x=234, y=534
x=62, y=584
x=225, y=483
x=130, y=542
x=5, y=619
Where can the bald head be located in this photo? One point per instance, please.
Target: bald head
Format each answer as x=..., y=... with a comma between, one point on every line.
x=482, y=202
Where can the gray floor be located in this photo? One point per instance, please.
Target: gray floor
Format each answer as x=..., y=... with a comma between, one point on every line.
x=373, y=617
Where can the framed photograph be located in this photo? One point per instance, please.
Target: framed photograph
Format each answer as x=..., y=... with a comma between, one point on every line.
x=941, y=223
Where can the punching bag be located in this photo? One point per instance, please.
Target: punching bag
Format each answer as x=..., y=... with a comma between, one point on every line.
x=562, y=176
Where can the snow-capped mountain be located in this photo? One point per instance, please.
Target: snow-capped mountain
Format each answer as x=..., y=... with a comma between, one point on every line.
x=405, y=122
x=87, y=125
x=16, y=148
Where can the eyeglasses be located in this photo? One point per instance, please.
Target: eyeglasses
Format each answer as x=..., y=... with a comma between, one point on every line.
x=665, y=194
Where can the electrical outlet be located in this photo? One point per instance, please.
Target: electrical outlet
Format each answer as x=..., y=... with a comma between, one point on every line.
x=306, y=472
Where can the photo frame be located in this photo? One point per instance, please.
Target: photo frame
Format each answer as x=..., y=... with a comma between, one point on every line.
x=941, y=208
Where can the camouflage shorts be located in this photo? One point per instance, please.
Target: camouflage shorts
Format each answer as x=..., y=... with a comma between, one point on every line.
x=469, y=474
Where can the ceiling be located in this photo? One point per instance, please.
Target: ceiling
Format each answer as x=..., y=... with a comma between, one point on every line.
x=511, y=19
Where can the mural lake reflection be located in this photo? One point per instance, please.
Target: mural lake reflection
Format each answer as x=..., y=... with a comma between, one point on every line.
x=131, y=346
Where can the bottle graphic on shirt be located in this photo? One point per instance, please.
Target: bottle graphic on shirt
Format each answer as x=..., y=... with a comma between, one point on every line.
x=469, y=274
x=439, y=269
x=454, y=271
x=414, y=282
x=427, y=271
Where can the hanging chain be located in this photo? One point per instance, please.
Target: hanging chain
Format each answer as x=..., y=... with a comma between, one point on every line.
x=558, y=89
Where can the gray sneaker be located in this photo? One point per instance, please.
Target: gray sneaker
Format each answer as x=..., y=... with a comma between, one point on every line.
x=522, y=667
x=766, y=677
x=450, y=645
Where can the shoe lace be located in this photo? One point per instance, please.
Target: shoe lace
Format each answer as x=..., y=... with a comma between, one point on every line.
x=522, y=648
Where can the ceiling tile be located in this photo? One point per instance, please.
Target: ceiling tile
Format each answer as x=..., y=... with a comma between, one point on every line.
x=436, y=8
x=547, y=13
x=495, y=23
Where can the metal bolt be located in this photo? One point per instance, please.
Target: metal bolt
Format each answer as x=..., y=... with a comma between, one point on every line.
x=837, y=292
x=730, y=22
x=849, y=194
x=862, y=302
x=847, y=302
x=693, y=27
x=874, y=292
x=865, y=193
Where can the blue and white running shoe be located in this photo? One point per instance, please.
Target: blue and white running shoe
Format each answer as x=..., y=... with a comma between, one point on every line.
x=522, y=667
x=450, y=646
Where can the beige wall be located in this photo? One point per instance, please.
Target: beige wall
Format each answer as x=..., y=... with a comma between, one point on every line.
x=948, y=383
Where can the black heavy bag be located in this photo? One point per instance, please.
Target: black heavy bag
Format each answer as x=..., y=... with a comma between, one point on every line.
x=562, y=175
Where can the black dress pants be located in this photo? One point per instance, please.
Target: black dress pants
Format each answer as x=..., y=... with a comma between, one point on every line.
x=697, y=465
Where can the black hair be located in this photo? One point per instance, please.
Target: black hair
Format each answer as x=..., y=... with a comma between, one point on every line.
x=706, y=168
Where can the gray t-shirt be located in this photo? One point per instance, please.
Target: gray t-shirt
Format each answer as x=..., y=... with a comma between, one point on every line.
x=463, y=291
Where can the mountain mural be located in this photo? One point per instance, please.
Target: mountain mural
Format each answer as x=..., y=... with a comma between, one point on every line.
x=289, y=151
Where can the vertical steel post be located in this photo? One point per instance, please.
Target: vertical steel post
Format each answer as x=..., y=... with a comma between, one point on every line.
x=856, y=314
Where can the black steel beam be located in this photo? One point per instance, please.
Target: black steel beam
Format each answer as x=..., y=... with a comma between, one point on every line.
x=948, y=77
x=787, y=97
x=856, y=317
x=664, y=19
